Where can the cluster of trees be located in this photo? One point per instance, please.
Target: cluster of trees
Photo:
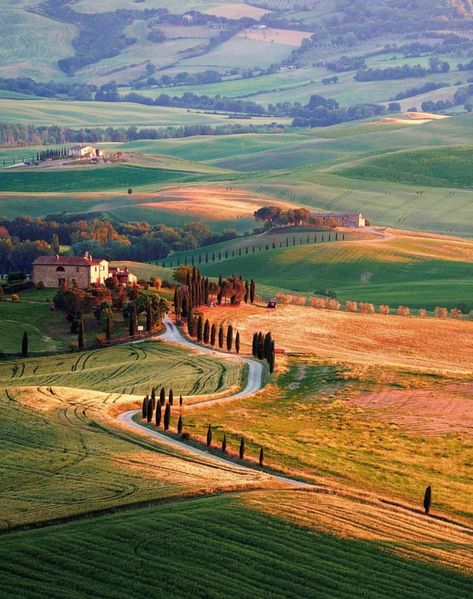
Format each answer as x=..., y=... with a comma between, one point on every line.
x=323, y=112
x=415, y=91
x=195, y=290
x=25, y=238
x=160, y=409
x=24, y=135
x=277, y=217
x=51, y=154
x=263, y=348
x=49, y=89
x=402, y=72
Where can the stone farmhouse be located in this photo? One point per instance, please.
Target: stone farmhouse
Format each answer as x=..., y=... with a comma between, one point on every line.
x=85, y=152
x=123, y=276
x=57, y=271
x=339, y=219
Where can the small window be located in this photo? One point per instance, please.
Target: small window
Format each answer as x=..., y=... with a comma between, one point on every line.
x=60, y=269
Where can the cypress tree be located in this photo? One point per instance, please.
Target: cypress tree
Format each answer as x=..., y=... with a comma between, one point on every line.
x=132, y=321
x=81, y=335
x=108, y=328
x=144, y=407
x=224, y=444
x=200, y=328
x=260, y=347
x=209, y=436
x=267, y=346
x=149, y=318
x=171, y=397
x=213, y=335
x=229, y=337
x=158, y=414
x=247, y=291
x=181, y=401
x=162, y=396
x=207, y=331
x=24, y=345
x=428, y=499
x=149, y=411
x=242, y=448
x=237, y=342
x=180, y=426
x=153, y=397
x=254, y=346
x=167, y=417
x=252, y=291
x=261, y=456
x=190, y=321
x=220, y=337
x=272, y=361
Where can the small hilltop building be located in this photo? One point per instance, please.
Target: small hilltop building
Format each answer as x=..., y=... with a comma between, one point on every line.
x=73, y=271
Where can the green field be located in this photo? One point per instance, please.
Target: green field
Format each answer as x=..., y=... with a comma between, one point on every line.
x=88, y=179
x=446, y=167
x=210, y=548
x=128, y=369
x=377, y=272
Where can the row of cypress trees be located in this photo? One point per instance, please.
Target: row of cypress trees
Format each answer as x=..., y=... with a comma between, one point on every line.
x=263, y=348
x=153, y=405
x=206, y=333
x=224, y=446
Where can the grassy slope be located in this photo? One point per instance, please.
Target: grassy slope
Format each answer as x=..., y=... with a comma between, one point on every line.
x=308, y=427
x=244, y=553
x=393, y=272
x=130, y=369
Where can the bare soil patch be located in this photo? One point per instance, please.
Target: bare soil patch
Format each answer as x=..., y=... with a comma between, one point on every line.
x=238, y=10
x=430, y=411
x=287, y=37
x=414, y=118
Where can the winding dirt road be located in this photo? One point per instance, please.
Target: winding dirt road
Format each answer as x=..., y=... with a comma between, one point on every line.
x=254, y=383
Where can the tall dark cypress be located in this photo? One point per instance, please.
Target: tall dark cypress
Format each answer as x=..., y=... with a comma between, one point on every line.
x=190, y=321
x=237, y=342
x=200, y=328
x=171, y=397
x=159, y=413
x=144, y=407
x=254, y=347
x=428, y=499
x=252, y=291
x=267, y=346
x=242, y=449
x=220, y=336
x=229, y=337
x=162, y=396
x=81, y=335
x=209, y=436
x=224, y=444
x=180, y=425
x=261, y=456
x=213, y=335
x=247, y=291
x=181, y=401
x=206, y=335
x=132, y=321
x=108, y=328
x=167, y=417
x=149, y=411
x=24, y=345
x=153, y=396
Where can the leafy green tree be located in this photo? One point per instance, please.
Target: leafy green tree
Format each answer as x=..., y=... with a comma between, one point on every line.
x=24, y=345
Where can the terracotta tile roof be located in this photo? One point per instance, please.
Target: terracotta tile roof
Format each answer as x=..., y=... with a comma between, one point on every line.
x=65, y=261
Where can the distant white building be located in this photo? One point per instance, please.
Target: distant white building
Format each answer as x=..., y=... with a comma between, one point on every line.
x=339, y=219
x=85, y=152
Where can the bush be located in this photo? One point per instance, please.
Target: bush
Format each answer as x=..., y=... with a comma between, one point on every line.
x=384, y=309
x=100, y=339
x=351, y=306
x=422, y=313
x=283, y=298
x=40, y=285
x=15, y=297
x=299, y=300
x=441, y=312
x=156, y=282
x=333, y=304
x=318, y=302
x=403, y=311
x=73, y=346
x=366, y=308
x=456, y=313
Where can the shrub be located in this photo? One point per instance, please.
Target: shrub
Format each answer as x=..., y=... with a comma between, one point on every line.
x=366, y=308
x=299, y=300
x=403, y=311
x=15, y=297
x=156, y=282
x=441, y=312
x=351, y=306
x=456, y=313
x=40, y=285
x=333, y=304
x=73, y=346
x=100, y=339
x=384, y=309
x=422, y=313
x=318, y=302
x=283, y=298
